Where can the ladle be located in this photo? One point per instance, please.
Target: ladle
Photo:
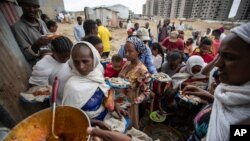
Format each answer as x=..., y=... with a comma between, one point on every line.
x=54, y=97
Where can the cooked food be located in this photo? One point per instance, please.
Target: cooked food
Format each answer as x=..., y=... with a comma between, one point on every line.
x=120, y=82
x=37, y=127
x=42, y=91
x=53, y=36
x=190, y=98
x=161, y=77
x=117, y=81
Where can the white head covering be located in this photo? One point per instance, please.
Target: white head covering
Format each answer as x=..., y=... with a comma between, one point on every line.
x=96, y=55
x=232, y=103
x=79, y=89
x=243, y=32
x=186, y=72
x=193, y=61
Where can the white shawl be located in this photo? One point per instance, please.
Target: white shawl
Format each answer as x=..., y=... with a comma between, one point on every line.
x=79, y=89
x=186, y=71
x=231, y=106
x=63, y=75
x=43, y=69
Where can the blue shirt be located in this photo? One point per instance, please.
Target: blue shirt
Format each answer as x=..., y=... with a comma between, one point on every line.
x=79, y=32
x=94, y=104
x=145, y=58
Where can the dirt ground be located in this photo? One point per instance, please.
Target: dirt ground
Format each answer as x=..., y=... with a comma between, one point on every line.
x=119, y=35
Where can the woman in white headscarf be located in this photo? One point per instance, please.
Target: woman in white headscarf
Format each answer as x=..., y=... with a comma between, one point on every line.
x=232, y=97
x=86, y=89
x=191, y=73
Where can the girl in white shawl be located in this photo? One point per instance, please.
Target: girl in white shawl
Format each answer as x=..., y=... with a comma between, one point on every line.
x=232, y=97
x=53, y=65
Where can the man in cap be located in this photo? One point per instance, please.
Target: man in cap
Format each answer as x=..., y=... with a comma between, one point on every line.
x=172, y=42
x=30, y=31
x=146, y=58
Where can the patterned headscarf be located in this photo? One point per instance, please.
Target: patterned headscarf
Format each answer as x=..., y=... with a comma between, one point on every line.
x=138, y=43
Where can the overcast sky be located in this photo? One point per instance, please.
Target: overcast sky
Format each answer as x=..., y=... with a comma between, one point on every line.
x=76, y=5
x=134, y=5
x=234, y=8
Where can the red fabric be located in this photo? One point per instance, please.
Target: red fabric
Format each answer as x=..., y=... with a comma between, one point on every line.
x=206, y=57
x=110, y=72
x=170, y=46
x=215, y=46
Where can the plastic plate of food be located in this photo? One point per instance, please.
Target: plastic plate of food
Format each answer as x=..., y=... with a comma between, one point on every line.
x=189, y=98
x=53, y=36
x=36, y=94
x=162, y=77
x=119, y=83
x=156, y=117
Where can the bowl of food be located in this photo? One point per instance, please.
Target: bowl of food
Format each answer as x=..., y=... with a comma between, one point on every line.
x=70, y=125
x=53, y=36
x=119, y=83
x=36, y=94
x=162, y=77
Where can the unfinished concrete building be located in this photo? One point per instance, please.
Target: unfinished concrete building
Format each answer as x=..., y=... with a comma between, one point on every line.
x=164, y=8
x=243, y=13
x=211, y=9
x=188, y=6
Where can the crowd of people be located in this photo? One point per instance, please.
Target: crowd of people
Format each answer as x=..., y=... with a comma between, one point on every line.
x=211, y=67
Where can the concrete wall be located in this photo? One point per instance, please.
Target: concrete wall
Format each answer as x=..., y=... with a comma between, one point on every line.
x=123, y=11
x=51, y=7
x=15, y=71
x=103, y=15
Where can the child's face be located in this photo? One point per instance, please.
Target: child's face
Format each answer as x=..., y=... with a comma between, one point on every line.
x=117, y=65
x=53, y=28
x=196, y=69
x=99, y=48
x=154, y=52
x=61, y=57
x=205, y=49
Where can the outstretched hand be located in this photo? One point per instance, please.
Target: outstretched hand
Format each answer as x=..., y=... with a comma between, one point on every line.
x=42, y=41
x=121, y=112
x=205, y=96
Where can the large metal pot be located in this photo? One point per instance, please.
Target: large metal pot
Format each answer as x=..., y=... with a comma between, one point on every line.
x=70, y=125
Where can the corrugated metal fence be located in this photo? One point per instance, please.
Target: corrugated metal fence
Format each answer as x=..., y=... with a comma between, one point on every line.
x=14, y=70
